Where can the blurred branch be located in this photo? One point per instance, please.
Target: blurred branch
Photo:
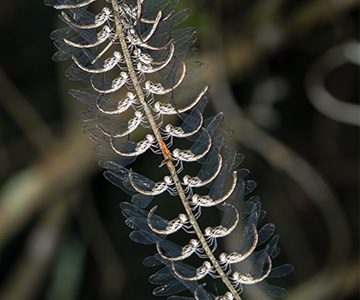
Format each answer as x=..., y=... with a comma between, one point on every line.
x=103, y=250
x=331, y=283
x=312, y=13
x=27, y=118
x=26, y=279
x=29, y=190
x=267, y=30
x=68, y=271
x=319, y=97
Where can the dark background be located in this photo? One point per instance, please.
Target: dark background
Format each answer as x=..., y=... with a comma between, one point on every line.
x=62, y=235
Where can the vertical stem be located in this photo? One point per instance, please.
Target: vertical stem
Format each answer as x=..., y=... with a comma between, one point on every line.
x=166, y=152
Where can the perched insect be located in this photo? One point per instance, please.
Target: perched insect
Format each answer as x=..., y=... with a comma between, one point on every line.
x=236, y=257
x=75, y=5
x=116, y=84
x=100, y=19
x=169, y=109
x=198, y=201
x=135, y=41
x=174, y=225
x=227, y=296
x=132, y=57
x=205, y=269
x=131, y=126
x=194, y=246
x=229, y=223
x=134, y=149
x=147, y=65
x=152, y=189
x=196, y=182
x=239, y=279
x=109, y=64
x=198, y=150
x=102, y=36
x=192, y=123
x=157, y=88
x=122, y=105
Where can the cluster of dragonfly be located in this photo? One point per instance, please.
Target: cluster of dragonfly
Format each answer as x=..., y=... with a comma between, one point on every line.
x=174, y=255
x=144, y=64
x=250, y=239
x=155, y=50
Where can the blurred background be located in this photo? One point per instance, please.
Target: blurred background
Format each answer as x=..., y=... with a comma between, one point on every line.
x=285, y=74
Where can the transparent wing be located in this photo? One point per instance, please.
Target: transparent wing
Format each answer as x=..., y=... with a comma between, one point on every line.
x=162, y=33
x=66, y=51
x=192, y=123
x=119, y=176
x=110, y=125
x=152, y=7
x=281, y=271
x=230, y=218
x=211, y=167
x=170, y=283
x=224, y=183
x=65, y=4
x=249, y=236
x=198, y=150
x=272, y=290
x=141, y=200
x=274, y=250
x=265, y=233
x=89, y=96
x=261, y=264
x=131, y=182
x=169, y=249
x=137, y=219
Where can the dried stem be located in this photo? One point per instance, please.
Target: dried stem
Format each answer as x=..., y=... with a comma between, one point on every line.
x=165, y=151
